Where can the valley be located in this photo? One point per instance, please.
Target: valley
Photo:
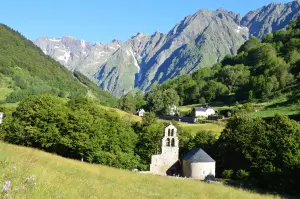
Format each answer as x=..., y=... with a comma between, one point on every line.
x=71, y=124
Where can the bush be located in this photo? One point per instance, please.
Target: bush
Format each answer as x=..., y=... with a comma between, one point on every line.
x=242, y=175
x=227, y=174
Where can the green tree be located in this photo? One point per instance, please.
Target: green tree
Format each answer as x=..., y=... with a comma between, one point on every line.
x=127, y=103
x=268, y=150
x=150, y=133
x=140, y=100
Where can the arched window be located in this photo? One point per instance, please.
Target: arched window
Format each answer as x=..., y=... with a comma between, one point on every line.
x=172, y=132
x=169, y=132
x=173, y=142
x=168, y=142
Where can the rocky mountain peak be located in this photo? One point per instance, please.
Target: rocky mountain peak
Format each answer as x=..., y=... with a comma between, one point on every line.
x=271, y=17
x=199, y=40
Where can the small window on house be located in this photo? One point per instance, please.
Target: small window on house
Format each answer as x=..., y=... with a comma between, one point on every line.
x=168, y=142
x=173, y=142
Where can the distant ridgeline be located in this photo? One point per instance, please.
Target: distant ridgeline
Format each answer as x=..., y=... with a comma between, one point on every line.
x=261, y=70
x=26, y=70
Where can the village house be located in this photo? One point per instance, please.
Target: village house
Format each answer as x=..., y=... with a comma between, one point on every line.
x=141, y=112
x=203, y=111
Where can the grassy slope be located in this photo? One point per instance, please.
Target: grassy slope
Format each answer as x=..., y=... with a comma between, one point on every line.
x=194, y=128
x=4, y=92
x=123, y=114
x=58, y=177
x=285, y=105
x=26, y=70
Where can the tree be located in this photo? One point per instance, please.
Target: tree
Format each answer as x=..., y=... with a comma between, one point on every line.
x=160, y=100
x=140, y=100
x=77, y=129
x=234, y=76
x=150, y=133
x=37, y=121
x=127, y=103
x=155, y=100
x=268, y=150
x=170, y=99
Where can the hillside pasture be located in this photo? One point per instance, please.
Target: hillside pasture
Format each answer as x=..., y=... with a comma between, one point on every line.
x=35, y=174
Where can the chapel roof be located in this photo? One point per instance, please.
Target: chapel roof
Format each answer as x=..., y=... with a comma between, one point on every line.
x=198, y=155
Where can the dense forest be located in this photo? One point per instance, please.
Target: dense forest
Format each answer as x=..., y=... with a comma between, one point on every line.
x=260, y=70
x=80, y=128
x=27, y=71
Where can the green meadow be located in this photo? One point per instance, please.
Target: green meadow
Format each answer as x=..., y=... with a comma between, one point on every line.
x=36, y=174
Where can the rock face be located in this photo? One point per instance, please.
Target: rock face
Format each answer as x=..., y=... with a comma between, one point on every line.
x=67, y=50
x=197, y=41
x=270, y=18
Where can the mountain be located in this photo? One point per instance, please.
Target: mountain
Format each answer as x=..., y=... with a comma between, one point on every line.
x=199, y=40
x=25, y=70
x=270, y=18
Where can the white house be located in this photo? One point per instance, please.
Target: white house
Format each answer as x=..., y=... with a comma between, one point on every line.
x=203, y=111
x=141, y=112
x=162, y=163
x=199, y=165
x=1, y=117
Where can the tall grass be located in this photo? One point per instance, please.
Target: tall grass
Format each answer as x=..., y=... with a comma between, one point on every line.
x=36, y=174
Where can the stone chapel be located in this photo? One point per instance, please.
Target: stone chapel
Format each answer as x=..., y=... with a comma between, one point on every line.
x=163, y=163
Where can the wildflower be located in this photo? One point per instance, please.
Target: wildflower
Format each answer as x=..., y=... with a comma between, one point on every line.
x=14, y=167
x=30, y=180
x=6, y=186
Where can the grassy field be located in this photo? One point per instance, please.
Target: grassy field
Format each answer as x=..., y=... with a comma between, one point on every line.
x=35, y=174
x=194, y=128
x=4, y=92
x=123, y=114
x=281, y=106
x=272, y=111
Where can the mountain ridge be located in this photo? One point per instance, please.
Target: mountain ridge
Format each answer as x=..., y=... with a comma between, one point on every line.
x=199, y=40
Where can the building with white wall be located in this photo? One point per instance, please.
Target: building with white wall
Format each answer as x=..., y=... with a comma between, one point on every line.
x=199, y=165
x=1, y=117
x=203, y=111
x=141, y=112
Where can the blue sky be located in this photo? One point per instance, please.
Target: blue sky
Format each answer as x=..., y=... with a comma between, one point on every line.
x=104, y=20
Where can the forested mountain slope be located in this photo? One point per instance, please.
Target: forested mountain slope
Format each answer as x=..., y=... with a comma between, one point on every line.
x=25, y=70
x=260, y=70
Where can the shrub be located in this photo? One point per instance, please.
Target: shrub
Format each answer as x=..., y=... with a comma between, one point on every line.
x=242, y=175
x=227, y=174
